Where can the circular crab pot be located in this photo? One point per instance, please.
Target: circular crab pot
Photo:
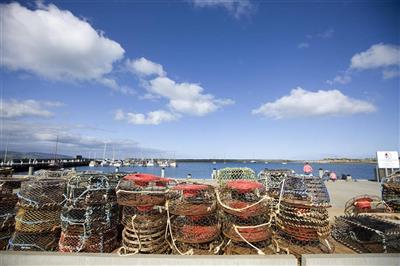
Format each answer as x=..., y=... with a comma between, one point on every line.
x=237, y=195
x=195, y=229
x=90, y=189
x=253, y=233
x=142, y=190
x=144, y=217
x=42, y=193
x=192, y=199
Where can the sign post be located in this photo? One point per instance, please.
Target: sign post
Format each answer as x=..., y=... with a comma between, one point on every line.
x=387, y=160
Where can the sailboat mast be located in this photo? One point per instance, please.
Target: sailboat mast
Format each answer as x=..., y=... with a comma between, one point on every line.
x=55, y=153
x=104, y=151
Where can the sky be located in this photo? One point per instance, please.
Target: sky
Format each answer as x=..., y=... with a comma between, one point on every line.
x=201, y=79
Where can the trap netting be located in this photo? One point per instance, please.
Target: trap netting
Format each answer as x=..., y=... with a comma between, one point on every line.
x=302, y=215
x=58, y=174
x=144, y=218
x=391, y=191
x=246, y=217
x=365, y=204
x=367, y=234
x=272, y=179
x=37, y=220
x=89, y=217
x=228, y=173
x=192, y=220
x=8, y=200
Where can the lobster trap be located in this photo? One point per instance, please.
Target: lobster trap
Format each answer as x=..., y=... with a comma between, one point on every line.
x=391, y=191
x=89, y=217
x=302, y=216
x=144, y=218
x=37, y=221
x=228, y=173
x=8, y=201
x=272, y=179
x=246, y=216
x=193, y=223
x=367, y=234
x=366, y=204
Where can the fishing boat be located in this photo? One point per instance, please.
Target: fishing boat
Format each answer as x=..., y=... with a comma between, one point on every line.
x=92, y=164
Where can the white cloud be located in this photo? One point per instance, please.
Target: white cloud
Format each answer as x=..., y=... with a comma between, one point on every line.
x=56, y=45
x=151, y=118
x=13, y=108
x=303, y=103
x=145, y=67
x=303, y=45
x=377, y=56
x=237, y=8
x=186, y=98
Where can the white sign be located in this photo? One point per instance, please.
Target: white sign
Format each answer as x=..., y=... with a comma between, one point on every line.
x=388, y=159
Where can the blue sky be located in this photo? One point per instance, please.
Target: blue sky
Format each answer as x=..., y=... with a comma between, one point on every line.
x=209, y=79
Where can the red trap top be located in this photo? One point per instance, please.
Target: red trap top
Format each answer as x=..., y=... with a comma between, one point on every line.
x=145, y=179
x=244, y=186
x=190, y=190
x=363, y=203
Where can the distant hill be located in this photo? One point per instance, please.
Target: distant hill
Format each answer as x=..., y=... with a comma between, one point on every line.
x=31, y=155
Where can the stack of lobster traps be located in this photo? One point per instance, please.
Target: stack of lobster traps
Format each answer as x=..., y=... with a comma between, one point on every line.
x=193, y=221
x=89, y=217
x=367, y=233
x=37, y=221
x=246, y=217
x=302, y=215
x=8, y=200
x=391, y=191
x=142, y=197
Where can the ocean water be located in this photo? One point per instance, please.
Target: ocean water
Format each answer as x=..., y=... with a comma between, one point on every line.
x=204, y=170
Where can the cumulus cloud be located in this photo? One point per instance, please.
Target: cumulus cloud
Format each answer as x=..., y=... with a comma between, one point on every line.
x=303, y=103
x=186, y=98
x=378, y=56
x=14, y=108
x=151, y=118
x=237, y=8
x=145, y=67
x=56, y=45
x=183, y=98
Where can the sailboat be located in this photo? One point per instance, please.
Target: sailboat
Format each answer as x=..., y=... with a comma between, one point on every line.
x=104, y=162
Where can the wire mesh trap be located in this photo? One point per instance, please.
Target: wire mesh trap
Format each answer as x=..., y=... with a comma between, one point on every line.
x=144, y=217
x=391, y=191
x=89, y=217
x=365, y=204
x=8, y=201
x=302, y=216
x=37, y=220
x=142, y=190
x=272, y=179
x=246, y=216
x=367, y=234
x=193, y=223
x=228, y=173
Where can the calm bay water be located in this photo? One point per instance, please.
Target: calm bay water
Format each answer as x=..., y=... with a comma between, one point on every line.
x=204, y=170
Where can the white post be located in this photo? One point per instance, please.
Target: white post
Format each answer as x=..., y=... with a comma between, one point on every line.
x=163, y=172
x=214, y=173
